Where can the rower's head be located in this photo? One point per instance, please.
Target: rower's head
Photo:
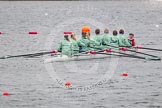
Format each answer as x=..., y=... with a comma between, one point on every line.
x=131, y=36
x=73, y=36
x=66, y=35
x=88, y=35
x=115, y=33
x=106, y=31
x=97, y=31
x=85, y=30
x=121, y=31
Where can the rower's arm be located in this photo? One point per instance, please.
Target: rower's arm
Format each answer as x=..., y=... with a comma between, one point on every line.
x=127, y=43
x=93, y=43
x=81, y=44
x=106, y=40
x=59, y=47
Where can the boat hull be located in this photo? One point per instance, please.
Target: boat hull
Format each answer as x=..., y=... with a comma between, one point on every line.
x=62, y=58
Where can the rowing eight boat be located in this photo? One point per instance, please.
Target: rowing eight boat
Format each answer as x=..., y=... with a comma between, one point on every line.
x=78, y=57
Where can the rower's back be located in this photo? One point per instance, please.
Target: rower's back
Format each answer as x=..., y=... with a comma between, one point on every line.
x=83, y=43
x=98, y=37
x=121, y=38
x=65, y=47
x=74, y=44
x=106, y=38
x=114, y=41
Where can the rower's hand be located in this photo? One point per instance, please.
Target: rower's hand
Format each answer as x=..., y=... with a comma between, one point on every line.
x=138, y=47
x=56, y=51
x=53, y=52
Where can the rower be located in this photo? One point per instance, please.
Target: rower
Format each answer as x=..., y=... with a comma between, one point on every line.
x=93, y=45
x=114, y=41
x=65, y=45
x=121, y=37
x=130, y=41
x=106, y=38
x=74, y=44
x=84, y=42
x=98, y=37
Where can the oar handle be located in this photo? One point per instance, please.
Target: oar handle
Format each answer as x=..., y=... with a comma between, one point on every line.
x=137, y=47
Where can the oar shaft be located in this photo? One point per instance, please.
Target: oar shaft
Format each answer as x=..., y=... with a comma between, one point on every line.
x=142, y=53
x=134, y=56
x=136, y=52
x=28, y=55
x=151, y=49
x=23, y=55
x=130, y=56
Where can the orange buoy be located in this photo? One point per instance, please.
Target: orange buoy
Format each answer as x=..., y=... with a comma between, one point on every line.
x=67, y=83
x=5, y=93
x=33, y=32
x=125, y=74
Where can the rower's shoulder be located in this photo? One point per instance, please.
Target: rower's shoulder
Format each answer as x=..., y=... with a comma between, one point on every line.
x=107, y=35
x=79, y=39
x=93, y=36
x=92, y=40
x=71, y=40
x=114, y=37
x=82, y=39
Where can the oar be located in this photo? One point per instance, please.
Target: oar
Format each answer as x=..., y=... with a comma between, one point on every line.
x=100, y=52
x=28, y=55
x=130, y=56
x=139, y=47
x=126, y=49
x=123, y=55
x=134, y=56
